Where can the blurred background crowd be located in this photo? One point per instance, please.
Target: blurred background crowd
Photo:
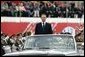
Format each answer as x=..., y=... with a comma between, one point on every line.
x=64, y=9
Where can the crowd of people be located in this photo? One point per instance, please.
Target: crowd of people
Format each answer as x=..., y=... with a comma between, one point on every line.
x=36, y=8
x=13, y=43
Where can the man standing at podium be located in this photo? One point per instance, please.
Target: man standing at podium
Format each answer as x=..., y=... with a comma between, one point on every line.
x=43, y=27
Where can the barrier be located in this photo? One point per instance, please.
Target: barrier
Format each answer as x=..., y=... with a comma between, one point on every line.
x=14, y=25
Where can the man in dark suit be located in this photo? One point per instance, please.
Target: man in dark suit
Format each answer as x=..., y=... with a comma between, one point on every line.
x=43, y=27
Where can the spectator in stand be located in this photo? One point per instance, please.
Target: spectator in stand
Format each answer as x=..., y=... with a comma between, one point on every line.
x=43, y=8
x=13, y=9
x=31, y=8
x=5, y=9
x=50, y=9
x=4, y=6
x=27, y=7
x=55, y=13
x=71, y=10
x=63, y=10
x=9, y=3
x=80, y=12
x=21, y=9
x=36, y=9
